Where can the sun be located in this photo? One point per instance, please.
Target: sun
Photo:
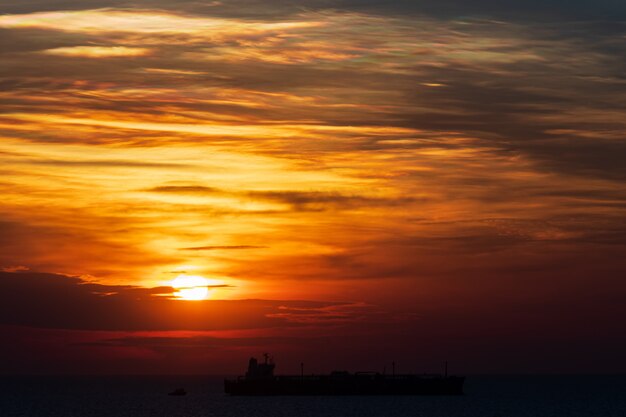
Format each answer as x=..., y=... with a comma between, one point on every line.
x=195, y=293
x=191, y=287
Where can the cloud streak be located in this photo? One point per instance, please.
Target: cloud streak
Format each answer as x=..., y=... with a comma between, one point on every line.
x=445, y=161
x=97, y=51
x=55, y=301
x=224, y=247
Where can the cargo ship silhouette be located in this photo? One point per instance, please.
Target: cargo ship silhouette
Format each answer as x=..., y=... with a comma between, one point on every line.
x=260, y=380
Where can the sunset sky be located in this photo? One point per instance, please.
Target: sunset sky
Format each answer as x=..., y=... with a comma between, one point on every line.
x=341, y=182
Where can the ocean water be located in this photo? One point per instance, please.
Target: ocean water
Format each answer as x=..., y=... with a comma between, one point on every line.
x=486, y=396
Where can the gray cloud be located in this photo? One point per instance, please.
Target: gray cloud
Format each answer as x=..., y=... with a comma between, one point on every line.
x=185, y=189
x=548, y=107
x=64, y=302
x=299, y=200
x=303, y=200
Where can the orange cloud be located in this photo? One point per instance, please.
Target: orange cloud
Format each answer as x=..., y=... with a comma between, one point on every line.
x=444, y=156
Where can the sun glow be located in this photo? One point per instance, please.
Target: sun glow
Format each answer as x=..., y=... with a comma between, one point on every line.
x=192, y=287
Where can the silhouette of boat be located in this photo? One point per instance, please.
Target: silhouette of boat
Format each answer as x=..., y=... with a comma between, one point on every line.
x=260, y=380
x=178, y=391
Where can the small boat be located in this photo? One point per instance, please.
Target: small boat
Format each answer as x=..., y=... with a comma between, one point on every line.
x=178, y=391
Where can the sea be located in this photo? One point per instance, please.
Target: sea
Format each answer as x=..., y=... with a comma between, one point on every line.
x=139, y=396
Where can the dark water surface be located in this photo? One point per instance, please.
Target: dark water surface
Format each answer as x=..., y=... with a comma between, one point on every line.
x=486, y=396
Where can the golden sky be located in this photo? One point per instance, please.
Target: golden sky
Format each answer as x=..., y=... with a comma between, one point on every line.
x=391, y=167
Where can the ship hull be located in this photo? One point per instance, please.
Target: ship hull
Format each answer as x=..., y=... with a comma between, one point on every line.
x=354, y=385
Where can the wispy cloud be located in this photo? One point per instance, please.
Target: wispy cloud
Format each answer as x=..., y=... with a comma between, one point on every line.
x=456, y=169
x=73, y=303
x=106, y=21
x=224, y=247
x=98, y=51
x=337, y=149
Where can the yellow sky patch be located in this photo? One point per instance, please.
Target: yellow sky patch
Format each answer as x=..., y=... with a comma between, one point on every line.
x=98, y=21
x=98, y=51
